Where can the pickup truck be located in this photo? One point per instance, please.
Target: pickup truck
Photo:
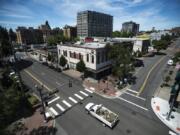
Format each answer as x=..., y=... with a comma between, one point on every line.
x=103, y=114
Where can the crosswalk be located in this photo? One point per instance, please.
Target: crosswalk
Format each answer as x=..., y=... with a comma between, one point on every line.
x=58, y=106
x=130, y=96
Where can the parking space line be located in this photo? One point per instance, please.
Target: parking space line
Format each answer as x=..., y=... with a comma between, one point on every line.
x=60, y=107
x=88, y=90
x=73, y=100
x=132, y=90
x=84, y=93
x=53, y=111
x=66, y=103
x=133, y=103
x=135, y=96
x=53, y=100
x=78, y=96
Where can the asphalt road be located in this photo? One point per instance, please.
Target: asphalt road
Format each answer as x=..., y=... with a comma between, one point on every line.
x=135, y=114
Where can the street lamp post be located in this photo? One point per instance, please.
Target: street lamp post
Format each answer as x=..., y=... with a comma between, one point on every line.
x=42, y=101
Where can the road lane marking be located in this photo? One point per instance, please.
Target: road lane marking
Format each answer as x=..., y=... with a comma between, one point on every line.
x=53, y=100
x=133, y=103
x=53, y=111
x=60, y=107
x=73, y=100
x=84, y=93
x=66, y=103
x=91, y=88
x=78, y=96
x=132, y=90
x=172, y=133
x=88, y=90
x=135, y=96
x=30, y=74
x=58, y=83
x=145, y=82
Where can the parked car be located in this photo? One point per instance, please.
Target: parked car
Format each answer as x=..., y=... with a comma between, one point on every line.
x=170, y=62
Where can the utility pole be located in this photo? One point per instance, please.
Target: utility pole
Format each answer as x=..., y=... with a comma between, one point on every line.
x=175, y=91
x=42, y=101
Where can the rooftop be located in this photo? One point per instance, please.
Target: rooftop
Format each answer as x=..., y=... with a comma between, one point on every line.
x=93, y=45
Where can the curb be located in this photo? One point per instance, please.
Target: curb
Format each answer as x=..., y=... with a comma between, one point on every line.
x=117, y=94
x=161, y=118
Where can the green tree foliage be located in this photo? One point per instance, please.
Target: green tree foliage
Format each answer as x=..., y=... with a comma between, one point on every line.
x=80, y=66
x=49, y=58
x=176, y=57
x=12, y=35
x=122, y=34
x=122, y=59
x=160, y=44
x=5, y=46
x=62, y=61
x=51, y=40
x=10, y=104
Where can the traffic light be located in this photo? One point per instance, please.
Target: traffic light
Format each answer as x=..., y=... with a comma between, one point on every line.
x=46, y=103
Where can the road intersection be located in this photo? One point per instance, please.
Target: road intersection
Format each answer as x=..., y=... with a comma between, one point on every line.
x=132, y=106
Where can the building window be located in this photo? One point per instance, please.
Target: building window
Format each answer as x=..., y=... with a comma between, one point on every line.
x=70, y=54
x=74, y=55
x=65, y=53
x=92, y=59
x=87, y=57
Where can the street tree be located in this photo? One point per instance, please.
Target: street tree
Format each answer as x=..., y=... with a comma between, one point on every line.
x=62, y=61
x=51, y=40
x=122, y=60
x=5, y=46
x=49, y=58
x=80, y=66
x=160, y=44
x=12, y=35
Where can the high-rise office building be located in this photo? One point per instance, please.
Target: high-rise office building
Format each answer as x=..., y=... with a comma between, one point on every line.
x=130, y=27
x=94, y=24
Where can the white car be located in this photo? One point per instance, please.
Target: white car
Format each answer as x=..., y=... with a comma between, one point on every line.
x=170, y=62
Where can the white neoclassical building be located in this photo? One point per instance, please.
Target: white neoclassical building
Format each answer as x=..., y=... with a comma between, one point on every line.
x=93, y=54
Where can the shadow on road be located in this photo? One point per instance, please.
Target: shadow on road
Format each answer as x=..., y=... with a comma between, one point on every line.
x=23, y=64
x=160, y=53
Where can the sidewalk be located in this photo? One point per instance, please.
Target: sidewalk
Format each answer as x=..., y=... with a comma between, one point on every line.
x=33, y=125
x=103, y=88
x=161, y=109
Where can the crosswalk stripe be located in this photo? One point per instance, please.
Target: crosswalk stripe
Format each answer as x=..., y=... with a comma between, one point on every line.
x=83, y=93
x=172, y=133
x=88, y=90
x=53, y=100
x=66, y=103
x=78, y=96
x=135, y=96
x=132, y=90
x=60, y=107
x=53, y=111
x=132, y=103
x=72, y=99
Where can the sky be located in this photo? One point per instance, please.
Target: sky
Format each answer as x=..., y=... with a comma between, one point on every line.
x=161, y=14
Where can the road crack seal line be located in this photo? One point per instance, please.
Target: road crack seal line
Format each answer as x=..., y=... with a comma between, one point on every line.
x=147, y=77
